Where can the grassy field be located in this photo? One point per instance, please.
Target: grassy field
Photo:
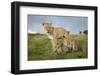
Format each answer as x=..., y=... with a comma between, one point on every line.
x=40, y=48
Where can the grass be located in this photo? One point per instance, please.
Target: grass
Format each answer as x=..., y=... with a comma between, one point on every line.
x=40, y=48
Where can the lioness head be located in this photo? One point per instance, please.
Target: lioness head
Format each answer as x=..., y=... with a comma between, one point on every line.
x=47, y=26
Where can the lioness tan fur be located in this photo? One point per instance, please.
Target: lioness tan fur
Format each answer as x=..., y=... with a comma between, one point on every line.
x=56, y=35
x=55, y=32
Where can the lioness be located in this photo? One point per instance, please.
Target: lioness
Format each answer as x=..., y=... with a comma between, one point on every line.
x=55, y=32
x=56, y=35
